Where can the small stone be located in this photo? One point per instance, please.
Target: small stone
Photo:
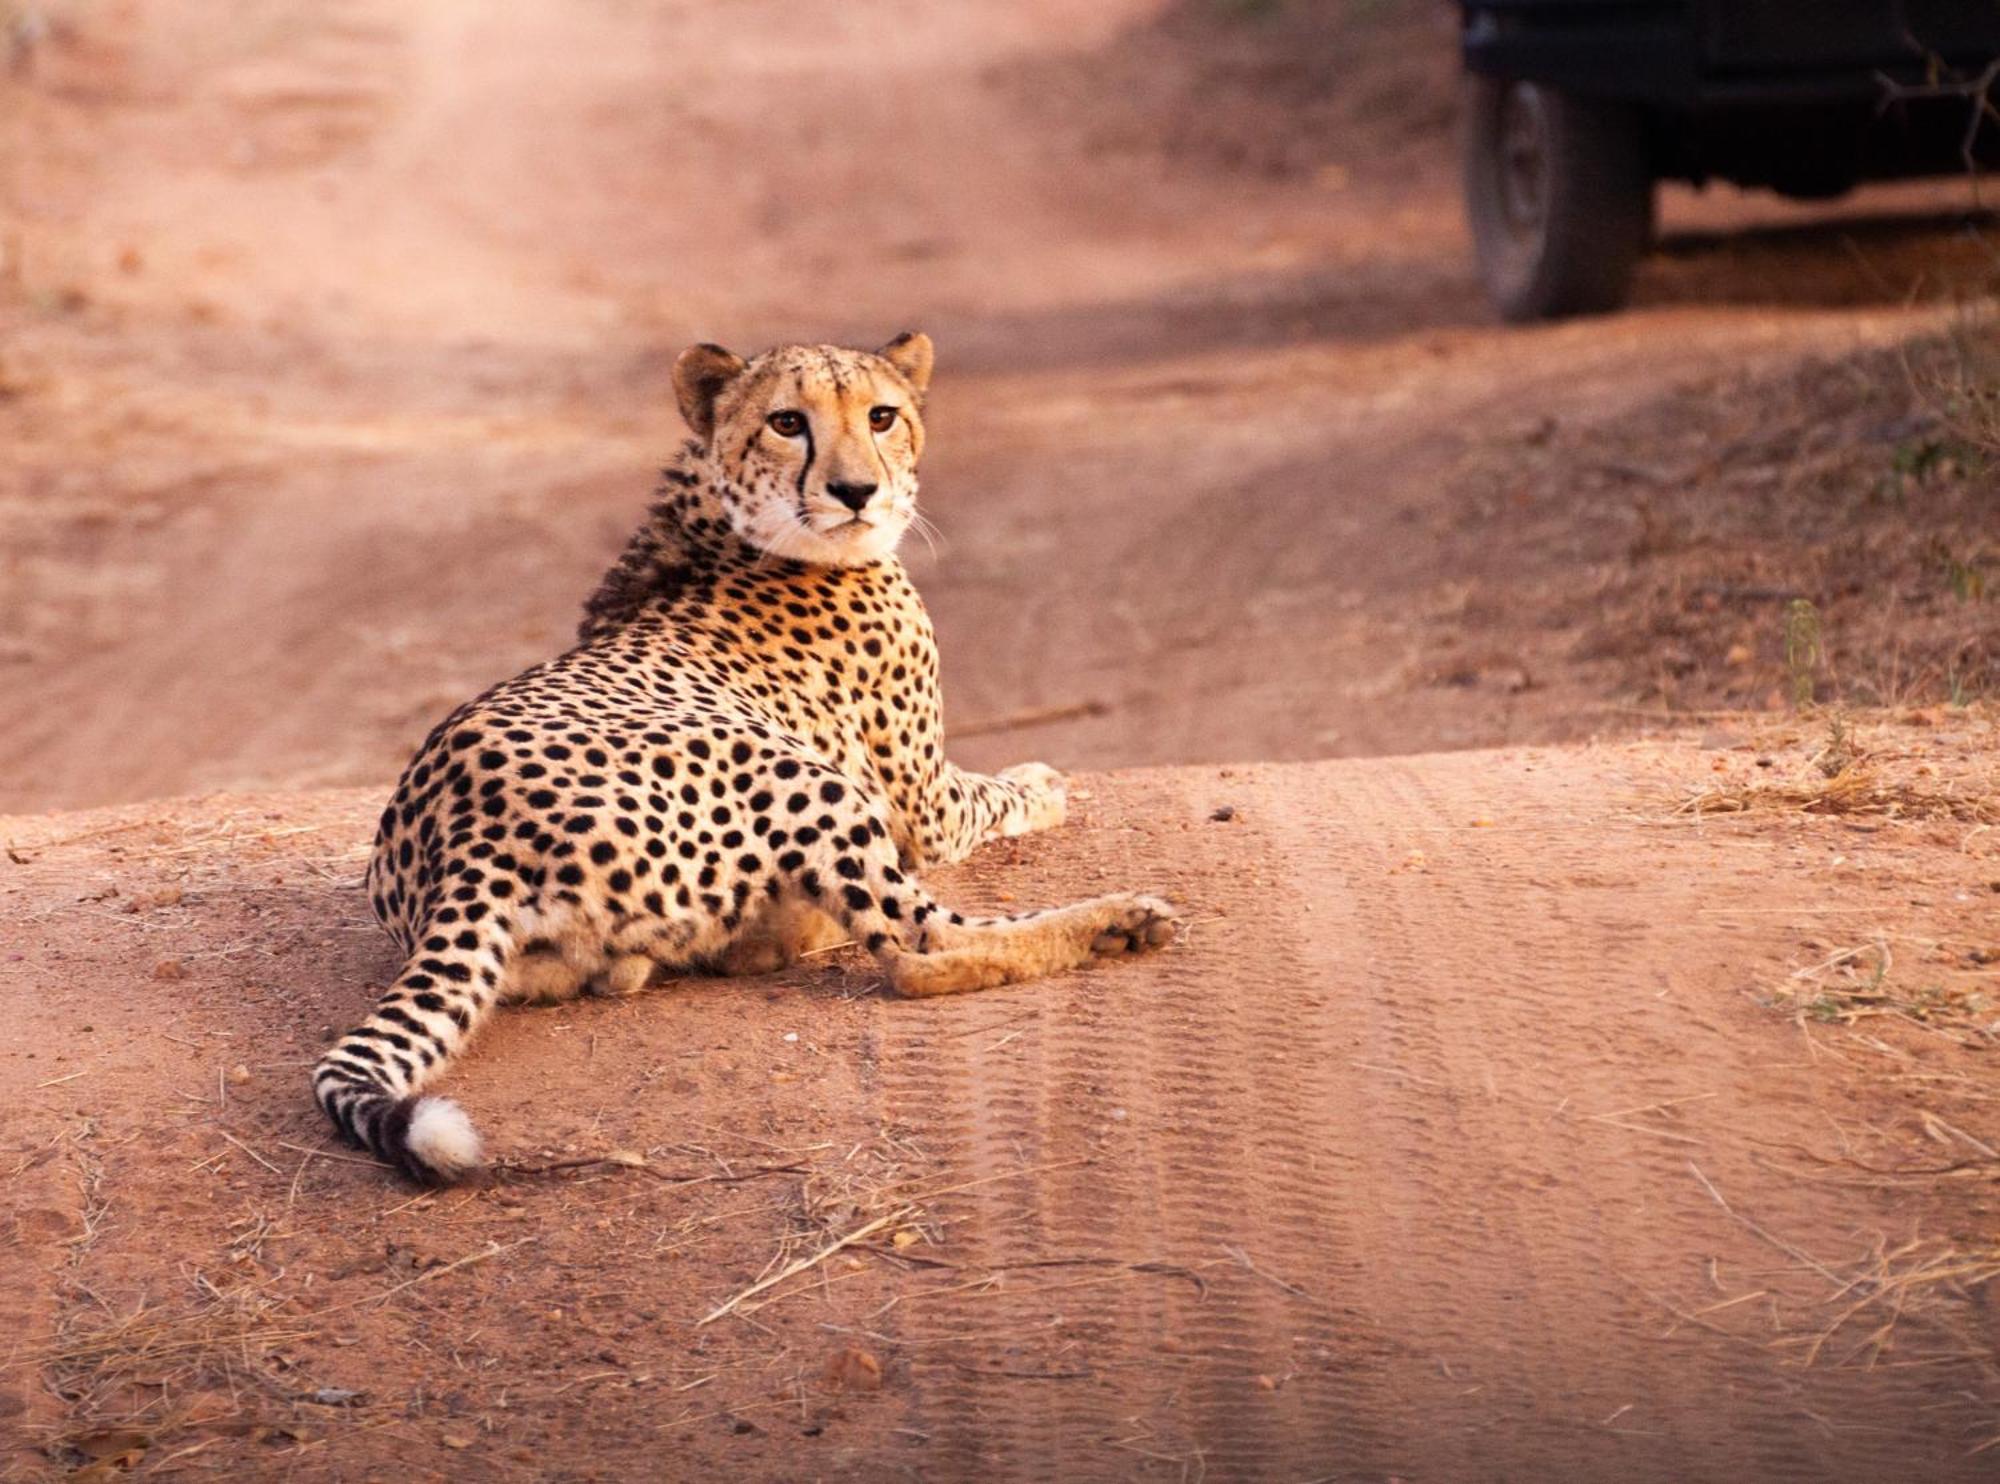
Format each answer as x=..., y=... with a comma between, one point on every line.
x=238, y=1075
x=853, y=1369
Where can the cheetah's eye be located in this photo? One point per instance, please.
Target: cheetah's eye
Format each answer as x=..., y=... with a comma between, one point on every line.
x=881, y=419
x=787, y=424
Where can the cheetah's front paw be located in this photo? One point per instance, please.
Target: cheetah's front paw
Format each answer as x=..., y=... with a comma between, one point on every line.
x=1047, y=801
x=1135, y=924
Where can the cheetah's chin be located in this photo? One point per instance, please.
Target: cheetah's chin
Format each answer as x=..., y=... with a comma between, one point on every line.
x=850, y=544
x=442, y=1138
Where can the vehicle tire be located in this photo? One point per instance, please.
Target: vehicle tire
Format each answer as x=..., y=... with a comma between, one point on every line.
x=1560, y=197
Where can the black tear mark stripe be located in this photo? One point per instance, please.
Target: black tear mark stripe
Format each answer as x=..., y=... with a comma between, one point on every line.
x=812, y=452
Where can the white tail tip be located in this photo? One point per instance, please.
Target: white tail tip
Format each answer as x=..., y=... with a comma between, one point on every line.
x=442, y=1138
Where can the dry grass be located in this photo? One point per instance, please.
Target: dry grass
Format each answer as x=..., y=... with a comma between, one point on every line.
x=1910, y=1305
x=1872, y=768
x=870, y=1194
x=1855, y=790
x=1674, y=540
x=132, y=1378
x=215, y=1364
x=1957, y=375
x=1861, y=982
x=163, y=1369
x=1931, y=1281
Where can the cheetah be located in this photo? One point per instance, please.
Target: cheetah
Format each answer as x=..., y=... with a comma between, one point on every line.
x=740, y=761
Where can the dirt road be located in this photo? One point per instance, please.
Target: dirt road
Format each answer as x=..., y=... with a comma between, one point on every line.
x=1442, y=1150
x=1459, y=1140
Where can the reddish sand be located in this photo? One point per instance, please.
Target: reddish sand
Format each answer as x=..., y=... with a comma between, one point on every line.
x=1459, y=1140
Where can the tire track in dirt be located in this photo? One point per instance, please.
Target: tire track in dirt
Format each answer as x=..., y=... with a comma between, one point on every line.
x=1175, y=1109
x=1417, y=1101
x=1532, y=1101
x=1406, y=958
x=974, y=1129
x=1238, y=1080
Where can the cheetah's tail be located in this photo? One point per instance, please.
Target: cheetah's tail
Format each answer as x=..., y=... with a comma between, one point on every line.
x=369, y=1082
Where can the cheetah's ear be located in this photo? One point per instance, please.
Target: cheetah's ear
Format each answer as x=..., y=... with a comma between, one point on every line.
x=911, y=354
x=700, y=374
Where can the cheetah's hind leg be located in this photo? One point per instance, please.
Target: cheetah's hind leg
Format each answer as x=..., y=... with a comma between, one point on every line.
x=779, y=937
x=978, y=953
x=543, y=973
x=624, y=973
x=636, y=953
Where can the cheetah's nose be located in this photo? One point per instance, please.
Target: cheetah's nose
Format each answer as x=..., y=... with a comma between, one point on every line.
x=853, y=496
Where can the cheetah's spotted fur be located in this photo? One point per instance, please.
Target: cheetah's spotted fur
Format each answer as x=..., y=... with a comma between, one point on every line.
x=742, y=759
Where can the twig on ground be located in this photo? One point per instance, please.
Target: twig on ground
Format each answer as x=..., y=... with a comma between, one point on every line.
x=249, y=1151
x=1034, y=716
x=470, y=1260
x=626, y=1159
x=1244, y=1258
x=1748, y=1225
x=860, y=1233
x=352, y=1159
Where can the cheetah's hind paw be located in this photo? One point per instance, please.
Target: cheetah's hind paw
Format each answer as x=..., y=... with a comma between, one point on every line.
x=1135, y=925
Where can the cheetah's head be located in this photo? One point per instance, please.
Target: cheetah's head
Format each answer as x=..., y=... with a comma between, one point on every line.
x=816, y=447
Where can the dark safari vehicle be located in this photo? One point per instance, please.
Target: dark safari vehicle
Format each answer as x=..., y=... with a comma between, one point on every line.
x=1576, y=107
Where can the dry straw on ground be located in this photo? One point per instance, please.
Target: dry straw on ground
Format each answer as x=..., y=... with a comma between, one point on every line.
x=1855, y=790
x=1862, y=982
